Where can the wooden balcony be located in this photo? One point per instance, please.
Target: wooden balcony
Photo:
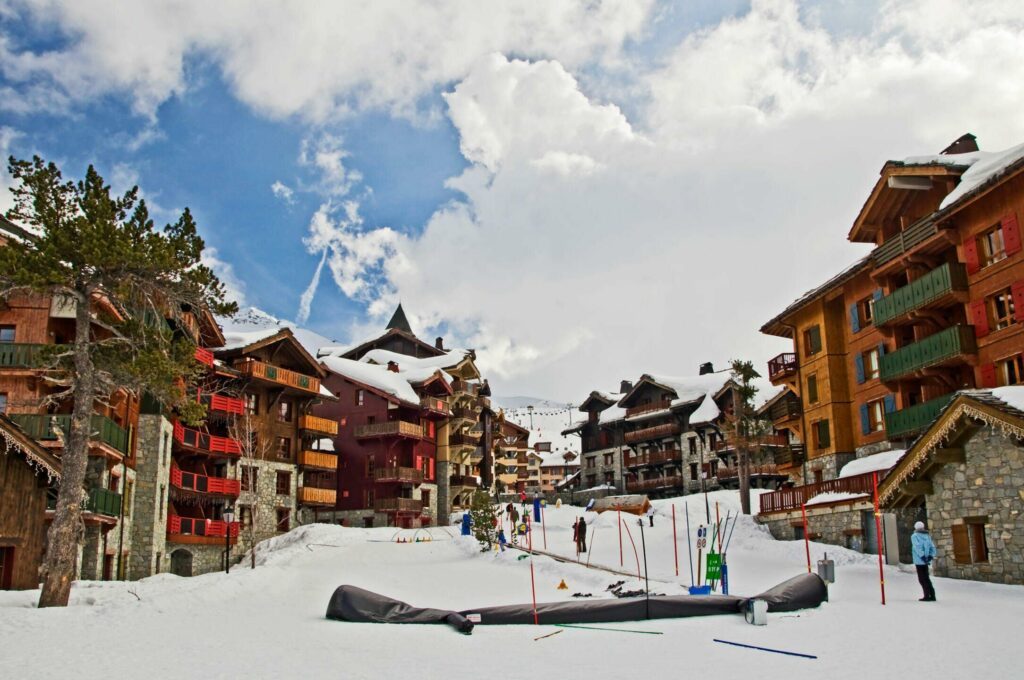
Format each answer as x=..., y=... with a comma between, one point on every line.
x=25, y=355
x=656, y=483
x=655, y=432
x=463, y=412
x=654, y=458
x=393, y=428
x=911, y=420
x=204, y=356
x=281, y=376
x=646, y=408
x=43, y=427
x=791, y=499
x=200, y=531
x=207, y=443
x=769, y=470
x=466, y=481
x=792, y=455
x=767, y=440
x=904, y=242
x=941, y=287
x=309, y=495
x=782, y=367
x=401, y=475
x=98, y=505
x=318, y=425
x=216, y=403
x=433, y=406
x=398, y=505
x=463, y=439
x=945, y=347
x=190, y=481
x=318, y=460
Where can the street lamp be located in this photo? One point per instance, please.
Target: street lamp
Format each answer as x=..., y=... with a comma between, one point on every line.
x=229, y=517
x=529, y=409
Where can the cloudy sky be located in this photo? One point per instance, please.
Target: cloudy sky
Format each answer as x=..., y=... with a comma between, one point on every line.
x=582, y=191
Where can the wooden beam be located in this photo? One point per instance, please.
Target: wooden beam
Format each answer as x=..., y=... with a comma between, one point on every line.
x=949, y=455
x=921, y=488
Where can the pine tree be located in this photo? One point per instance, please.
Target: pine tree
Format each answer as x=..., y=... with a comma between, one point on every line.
x=128, y=283
x=746, y=429
x=481, y=511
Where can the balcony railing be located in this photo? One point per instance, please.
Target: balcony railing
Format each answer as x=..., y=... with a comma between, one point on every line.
x=42, y=427
x=23, y=355
x=462, y=439
x=460, y=386
x=190, y=481
x=318, y=460
x=404, y=505
x=782, y=366
x=755, y=471
x=403, y=475
x=310, y=495
x=465, y=412
x=435, y=405
x=933, y=286
x=204, y=356
x=654, y=458
x=912, y=419
x=393, y=428
x=904, y=242
x=190, y=526
x=282, y=376
x=643, y=434
x=793, y=498
x=318, y=424
x=791, y=455
x=646, y=408
x=221, y=404
x=202, y=441
x=765, y=440
x=935, y=349
x=98, y=501
x=469, y=481
x=656, y=483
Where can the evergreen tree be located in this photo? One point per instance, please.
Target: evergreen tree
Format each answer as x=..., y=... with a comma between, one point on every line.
x=746, y=428
x=481, y=510
x=129, y=283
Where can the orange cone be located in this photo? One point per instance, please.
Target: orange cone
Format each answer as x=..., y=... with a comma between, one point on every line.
x=562, y=586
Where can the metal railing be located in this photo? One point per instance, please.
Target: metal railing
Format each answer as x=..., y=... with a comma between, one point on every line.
x=782, y=365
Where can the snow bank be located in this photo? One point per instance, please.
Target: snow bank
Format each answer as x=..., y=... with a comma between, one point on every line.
x=877, y=462
x=835, y=497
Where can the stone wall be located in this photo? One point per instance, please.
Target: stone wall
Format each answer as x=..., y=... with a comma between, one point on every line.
x=198, y=559
x=837, y=524
x=600, y=469
x=149, y=516
x=829, y=465
x=988, y=486
x=101, y=539
x=264, y=501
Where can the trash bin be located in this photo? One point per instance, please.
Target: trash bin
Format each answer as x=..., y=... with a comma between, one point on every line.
x=827, y=570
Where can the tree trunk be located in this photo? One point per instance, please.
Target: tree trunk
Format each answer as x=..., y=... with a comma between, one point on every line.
x=66, y=532
x=743, y=460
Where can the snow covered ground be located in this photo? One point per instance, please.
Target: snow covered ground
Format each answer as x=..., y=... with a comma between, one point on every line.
x=269, y=622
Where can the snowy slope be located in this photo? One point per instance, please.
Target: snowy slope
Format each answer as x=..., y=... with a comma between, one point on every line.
x=269, y=622
x=549, y=419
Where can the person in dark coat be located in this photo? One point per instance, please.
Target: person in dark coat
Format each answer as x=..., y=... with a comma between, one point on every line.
x=581, y=535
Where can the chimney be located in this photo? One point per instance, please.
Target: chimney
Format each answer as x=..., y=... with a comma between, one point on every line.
x=393, y=366
x=625, y=386
x=439, y=343
x=964, y=144
x=706, y=368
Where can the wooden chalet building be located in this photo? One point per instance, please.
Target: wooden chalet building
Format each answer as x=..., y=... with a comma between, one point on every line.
x=936, y=306
x=511, y=443
x=27, y=472
x=602, y=448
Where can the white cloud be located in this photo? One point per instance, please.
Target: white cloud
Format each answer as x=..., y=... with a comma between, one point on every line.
x=306, y=301
x=326, y=156
x=283, y=191
x=234, y=287
x=7, y=137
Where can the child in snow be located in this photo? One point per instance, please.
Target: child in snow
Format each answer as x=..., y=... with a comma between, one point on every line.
x=501, y=538
x=923, y=550
x=650, y=515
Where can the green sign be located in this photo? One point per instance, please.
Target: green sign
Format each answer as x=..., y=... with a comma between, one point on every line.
x=714, y=569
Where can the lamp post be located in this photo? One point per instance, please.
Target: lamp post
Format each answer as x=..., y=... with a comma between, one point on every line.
x=229, y=517
x=529, y=409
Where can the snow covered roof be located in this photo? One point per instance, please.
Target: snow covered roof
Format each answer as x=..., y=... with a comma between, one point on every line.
x=692, y=389
x=570, y=478
x=237, y=339
x=879, y=462
x=982, y=166
x=253, y=324
x=416, y=369
x=835, y=497
x=557, y=459
x=372, y=375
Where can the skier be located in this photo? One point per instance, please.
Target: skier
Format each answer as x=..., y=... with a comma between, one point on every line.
x=581, y=535
x=924, y=552
x=501, y=538
x=514, y=518
x=650, y=515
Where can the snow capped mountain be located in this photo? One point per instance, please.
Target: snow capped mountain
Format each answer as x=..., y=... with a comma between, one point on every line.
x=252, y=319
x=545, y=422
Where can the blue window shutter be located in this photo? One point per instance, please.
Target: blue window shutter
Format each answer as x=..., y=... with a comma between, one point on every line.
x=890, y=403
x=878, y=295
x=881, y=349
x=858, y=362
x=865, y=426
x=854, y=318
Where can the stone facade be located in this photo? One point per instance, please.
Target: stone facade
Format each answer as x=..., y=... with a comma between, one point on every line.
x=258, y=509
x=829, y=466
x=99, y=553
x=149, y=522
x=841, y=524
x=988, y=490
x=595, y=471
x=193, y=560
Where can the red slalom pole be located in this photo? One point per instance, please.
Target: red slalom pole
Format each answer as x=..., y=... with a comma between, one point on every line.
x=533, y=583
x=544, y=526
x=718, y=521
x=619, y=511
x=630, y=534
x=878, y=535
x=675, y=541
x=807, y=541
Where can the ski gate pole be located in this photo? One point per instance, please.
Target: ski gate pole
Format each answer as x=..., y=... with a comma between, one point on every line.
x=807, y=540
x=878, y=536
x=675, y=540
x=718, y=520
x=635, y=553
x=647, y=583
x=544, y=526
x=689, y=548
x=533, y=583
x=619, y=511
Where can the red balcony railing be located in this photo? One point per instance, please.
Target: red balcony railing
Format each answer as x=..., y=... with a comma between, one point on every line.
x=645, y=433
x=793, y=498
x=191, y=481
x=202, y=441
x=782, y=365
x=204, y=356
x=222, y=404
x=189, y=526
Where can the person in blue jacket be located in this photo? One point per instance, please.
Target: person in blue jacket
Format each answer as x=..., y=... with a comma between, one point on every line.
x=467, y=521
x=924, y=552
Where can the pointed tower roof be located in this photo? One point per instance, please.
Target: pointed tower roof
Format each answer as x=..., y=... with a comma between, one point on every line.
x=399, y=321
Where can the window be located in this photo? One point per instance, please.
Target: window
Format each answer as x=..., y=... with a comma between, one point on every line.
x=284, y=483
x=252, y=404
x=970, y=545
x=244, y=516
x=812, y=388
x=1000, y=310
x=249, y=478
x=822, y=436
x=284, y=448
x=591, y=463
x=167, y=445
x=693, y=471
x=284, y=519
x=284, y=411
x=870, y=361
x=129, y=491
x=866, y=311
x=609, y=477
x=1012, y=370
x=3, y=402
x=876, y=416
x=360, y=397
x=6, y=333
x=609, y=458
x=162, y=499
x=991, y=248
x=812, y=340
